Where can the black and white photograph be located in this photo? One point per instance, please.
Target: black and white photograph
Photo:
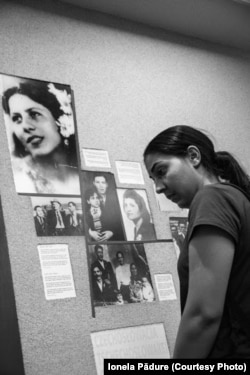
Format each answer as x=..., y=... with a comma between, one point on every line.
x=40, y=129
x=120, y=274
x=136, y=215
x=58, y=216
x=101, y=207
x=178, y=227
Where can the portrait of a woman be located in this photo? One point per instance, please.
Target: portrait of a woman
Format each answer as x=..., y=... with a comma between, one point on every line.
x=41, y=135
x=136, y=211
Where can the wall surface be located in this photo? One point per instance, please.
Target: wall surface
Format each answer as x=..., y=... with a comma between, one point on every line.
x=129, y=82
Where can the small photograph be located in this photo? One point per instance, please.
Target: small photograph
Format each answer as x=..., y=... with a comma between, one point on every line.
x=136, y=215
x=101, y=207
x=178, y=226
x=40, y=130
x=58, y=216
x=120, y=274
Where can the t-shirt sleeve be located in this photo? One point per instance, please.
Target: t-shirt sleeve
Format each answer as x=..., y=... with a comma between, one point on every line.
x=217, y=208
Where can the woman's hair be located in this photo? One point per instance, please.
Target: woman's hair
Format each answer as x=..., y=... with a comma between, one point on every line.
x=132, y=194
x=176, y=140
x=38, y=91
x=137, y=275
x=119, y=252
x=133, y=264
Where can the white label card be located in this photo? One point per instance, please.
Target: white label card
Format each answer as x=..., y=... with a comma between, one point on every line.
x=56, y=271
x=165, y=287
x=129, y=172
x=147, y=341
x=96, y=158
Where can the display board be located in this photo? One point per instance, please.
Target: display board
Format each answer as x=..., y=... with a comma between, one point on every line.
x=127, y=88
x=106, y=210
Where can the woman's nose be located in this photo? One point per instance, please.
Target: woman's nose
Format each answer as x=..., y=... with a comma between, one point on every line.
x=28, y=124
x=159, y=186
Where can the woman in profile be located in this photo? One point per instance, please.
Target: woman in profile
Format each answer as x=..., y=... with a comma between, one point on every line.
x=214, y=262
x=41, y=135
x=135, y=208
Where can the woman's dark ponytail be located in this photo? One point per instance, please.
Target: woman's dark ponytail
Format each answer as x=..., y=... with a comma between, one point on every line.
x=176, y=140
x=228, y=169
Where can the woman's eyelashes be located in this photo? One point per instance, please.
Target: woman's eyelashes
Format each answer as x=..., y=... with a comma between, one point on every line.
x=34, y=114
x=16, y=118
x=161, y=172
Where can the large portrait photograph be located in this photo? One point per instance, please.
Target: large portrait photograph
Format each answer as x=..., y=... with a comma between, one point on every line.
x=120, y=274
x=40, y=129
x=136, y=215
x=101, y=207
x=57, y=216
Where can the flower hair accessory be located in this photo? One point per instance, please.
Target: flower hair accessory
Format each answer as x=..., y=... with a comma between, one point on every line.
x=66, y=121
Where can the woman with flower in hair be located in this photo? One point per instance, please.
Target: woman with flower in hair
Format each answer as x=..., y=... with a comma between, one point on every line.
x=40, y=127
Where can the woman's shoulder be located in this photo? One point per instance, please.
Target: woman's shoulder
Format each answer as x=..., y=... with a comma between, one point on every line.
x=219, y=197
x=31, y=177
x=147, y=228
x=222, y=191
x=220, y=205
x=146, y=232
x=22, y=171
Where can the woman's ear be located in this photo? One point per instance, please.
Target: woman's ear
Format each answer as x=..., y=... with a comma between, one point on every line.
x=194, y=155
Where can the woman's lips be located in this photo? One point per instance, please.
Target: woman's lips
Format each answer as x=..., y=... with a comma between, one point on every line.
x=35, y=140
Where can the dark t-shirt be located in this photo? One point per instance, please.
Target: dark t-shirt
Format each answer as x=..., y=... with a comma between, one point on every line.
x=226, y=207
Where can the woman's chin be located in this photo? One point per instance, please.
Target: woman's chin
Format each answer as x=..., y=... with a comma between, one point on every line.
x=134, y=219
x=182, y=204
x=130, y=218
x=42, y=154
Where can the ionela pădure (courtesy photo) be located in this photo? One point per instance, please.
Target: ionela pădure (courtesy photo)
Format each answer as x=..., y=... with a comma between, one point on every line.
x=177, y=366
